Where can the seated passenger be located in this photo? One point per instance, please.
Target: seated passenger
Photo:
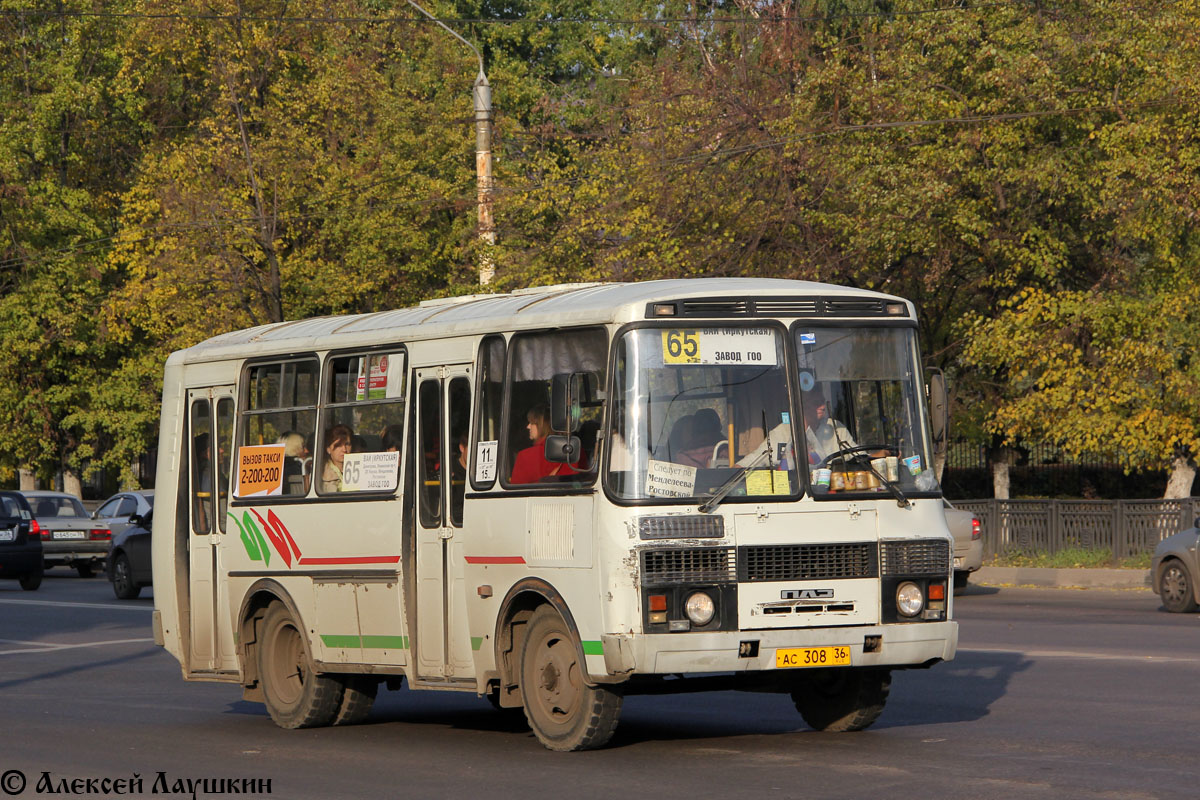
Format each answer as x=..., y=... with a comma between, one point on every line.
x=337, y=445
x=694, y=437
x=296, y=463
x=531, y=465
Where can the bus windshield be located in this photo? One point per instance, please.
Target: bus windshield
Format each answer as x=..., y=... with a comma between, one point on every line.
x=697, y=408
x=705, y=412
x=863, y=424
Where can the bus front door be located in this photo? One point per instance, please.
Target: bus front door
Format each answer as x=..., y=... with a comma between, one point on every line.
x=443, y=642
x=210, y=423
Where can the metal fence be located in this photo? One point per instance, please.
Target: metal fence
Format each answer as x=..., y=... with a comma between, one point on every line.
x=1124, y=527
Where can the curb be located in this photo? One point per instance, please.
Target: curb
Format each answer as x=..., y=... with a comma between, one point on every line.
x=1063, y=578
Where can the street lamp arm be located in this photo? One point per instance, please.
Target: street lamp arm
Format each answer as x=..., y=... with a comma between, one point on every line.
x=482, y=77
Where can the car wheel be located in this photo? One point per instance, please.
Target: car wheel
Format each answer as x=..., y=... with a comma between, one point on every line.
x=123, y=584
x=1175, y=588
x=847, y=699
x=563, y=711
x=30, y=581
x=295, y=695
x=85, y=570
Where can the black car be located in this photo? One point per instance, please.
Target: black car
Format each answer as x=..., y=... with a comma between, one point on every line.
x=128, y=563
x=20, y=543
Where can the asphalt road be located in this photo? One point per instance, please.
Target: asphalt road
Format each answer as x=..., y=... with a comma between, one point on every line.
x=1054, y=694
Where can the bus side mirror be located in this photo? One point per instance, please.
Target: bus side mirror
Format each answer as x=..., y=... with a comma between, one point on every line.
x=938, y=414
x=569, y=393
x=563, y=449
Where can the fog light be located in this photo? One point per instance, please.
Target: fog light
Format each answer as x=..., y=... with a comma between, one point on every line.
x=699, y=608
x=908, y=599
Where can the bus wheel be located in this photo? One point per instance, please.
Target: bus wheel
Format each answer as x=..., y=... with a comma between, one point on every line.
x=563, y=711
x=357, y=698
x=842, y=699
x=296, y=697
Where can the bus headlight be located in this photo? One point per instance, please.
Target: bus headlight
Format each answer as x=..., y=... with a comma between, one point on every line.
x=909, y=600
x=699, y=608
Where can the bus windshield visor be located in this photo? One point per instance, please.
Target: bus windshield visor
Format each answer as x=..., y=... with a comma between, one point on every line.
x=862, y=421
x=699, y=409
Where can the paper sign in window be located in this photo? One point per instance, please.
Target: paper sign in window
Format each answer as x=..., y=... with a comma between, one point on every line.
x=753, y=347
x=768, y=481
x=259, y=471
x=664, y=479
x=370, y=472
x=485, y=461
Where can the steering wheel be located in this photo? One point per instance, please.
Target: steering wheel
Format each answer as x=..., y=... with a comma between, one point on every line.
x=860, y=450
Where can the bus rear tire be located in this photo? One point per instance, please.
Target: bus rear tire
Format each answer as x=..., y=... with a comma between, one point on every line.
x=563, y=711
x=295, y=696
x=357, y=698
x=848, y=699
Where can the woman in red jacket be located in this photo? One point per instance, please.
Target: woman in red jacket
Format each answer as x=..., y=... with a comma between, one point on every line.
x=531, y=465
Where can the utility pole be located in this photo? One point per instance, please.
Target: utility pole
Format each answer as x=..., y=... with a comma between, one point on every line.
x=482, y=95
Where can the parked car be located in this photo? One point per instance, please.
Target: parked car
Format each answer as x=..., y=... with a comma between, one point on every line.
x=128, y=564
x=1175, y=569
x=115, y=512
x=69, y=535
x=968, y=543
x=20, y=542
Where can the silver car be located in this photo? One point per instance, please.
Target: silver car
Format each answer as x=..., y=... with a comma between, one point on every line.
x=114, y=513
x=69, y=535
x=1175, y=570
x=968, y=543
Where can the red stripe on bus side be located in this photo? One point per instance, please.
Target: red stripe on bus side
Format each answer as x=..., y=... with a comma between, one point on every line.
x=495, y=560
x=355, y=560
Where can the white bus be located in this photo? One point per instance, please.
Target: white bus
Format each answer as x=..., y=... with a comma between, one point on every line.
x=556, y=498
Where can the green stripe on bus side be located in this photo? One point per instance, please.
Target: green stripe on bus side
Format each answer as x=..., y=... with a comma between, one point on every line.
x=368, y=642
x=593, y=648
x=476, y=642
x=341, y=641
x=385, y=642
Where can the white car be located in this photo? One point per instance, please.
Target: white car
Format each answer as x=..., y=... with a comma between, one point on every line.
x=968, y=543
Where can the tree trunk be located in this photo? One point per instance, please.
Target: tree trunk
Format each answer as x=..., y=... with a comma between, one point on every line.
x=1183, y=472
x=71, y=483
x=28, y=480
x=1000, y=480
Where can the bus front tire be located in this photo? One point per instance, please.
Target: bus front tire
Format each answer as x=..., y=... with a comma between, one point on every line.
x=295, y=696
x=846, y=699
x=563, y=711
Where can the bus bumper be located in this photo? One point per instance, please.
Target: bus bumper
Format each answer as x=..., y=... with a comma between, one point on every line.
x=901, y=645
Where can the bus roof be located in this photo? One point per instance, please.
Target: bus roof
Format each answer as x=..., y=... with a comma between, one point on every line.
x=524, y=309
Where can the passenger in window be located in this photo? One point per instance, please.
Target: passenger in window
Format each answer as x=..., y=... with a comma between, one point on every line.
x=296, y=464
x=458, y=470
x=338, y=442
x=531, y=465
x=392, y=438
x=694, y=438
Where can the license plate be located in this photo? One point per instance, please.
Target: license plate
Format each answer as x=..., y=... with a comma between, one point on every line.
x=69, y=534
x=812, y=657
x=7, y=534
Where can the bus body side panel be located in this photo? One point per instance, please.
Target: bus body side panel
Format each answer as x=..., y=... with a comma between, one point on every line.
x=341, y=564
x=168, y=554
x=510, y=539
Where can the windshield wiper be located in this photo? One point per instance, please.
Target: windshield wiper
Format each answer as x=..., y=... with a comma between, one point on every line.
x=901, y=500
x=725, y=488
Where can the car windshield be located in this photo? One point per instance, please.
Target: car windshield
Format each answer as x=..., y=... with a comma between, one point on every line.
x=701, y=412
x=863, y=423
x=57, y=507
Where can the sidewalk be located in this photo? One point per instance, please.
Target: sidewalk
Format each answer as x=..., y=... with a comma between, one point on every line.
x=1063, y=578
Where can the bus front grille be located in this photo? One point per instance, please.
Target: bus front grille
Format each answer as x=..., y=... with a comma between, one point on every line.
x=804, y=562
x=920, y=557
x=688, y=565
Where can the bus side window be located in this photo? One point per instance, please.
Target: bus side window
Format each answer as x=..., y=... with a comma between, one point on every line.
x=429, y=455
x=536, y=359
x=202, y=473
x=460, y=418
x=488, y=410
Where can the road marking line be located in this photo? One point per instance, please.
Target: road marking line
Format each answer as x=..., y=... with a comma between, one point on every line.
x=77, y=605
x=1083, y=655
x=49, y=647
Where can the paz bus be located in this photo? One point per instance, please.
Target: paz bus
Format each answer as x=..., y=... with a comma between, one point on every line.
x=557, y=498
